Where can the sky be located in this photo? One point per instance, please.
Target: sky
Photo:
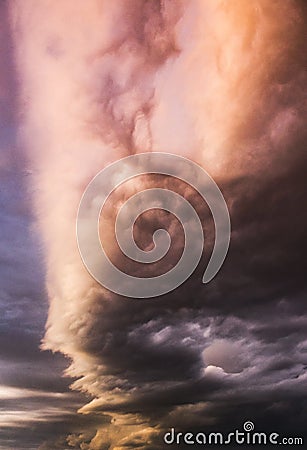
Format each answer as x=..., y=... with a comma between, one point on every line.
x=83, y=84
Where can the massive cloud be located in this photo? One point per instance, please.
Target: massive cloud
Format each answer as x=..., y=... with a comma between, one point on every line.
x=219, y=82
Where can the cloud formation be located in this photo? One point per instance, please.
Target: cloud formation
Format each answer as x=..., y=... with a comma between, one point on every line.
x=219, y=82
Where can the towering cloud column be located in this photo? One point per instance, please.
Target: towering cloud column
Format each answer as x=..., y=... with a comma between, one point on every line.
x=103, y=79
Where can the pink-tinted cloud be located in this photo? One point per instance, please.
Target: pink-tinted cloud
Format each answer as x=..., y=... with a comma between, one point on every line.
x=100, y=80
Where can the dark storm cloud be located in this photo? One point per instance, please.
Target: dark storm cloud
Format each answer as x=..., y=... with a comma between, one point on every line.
x=256, y=303
x=202, y=357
